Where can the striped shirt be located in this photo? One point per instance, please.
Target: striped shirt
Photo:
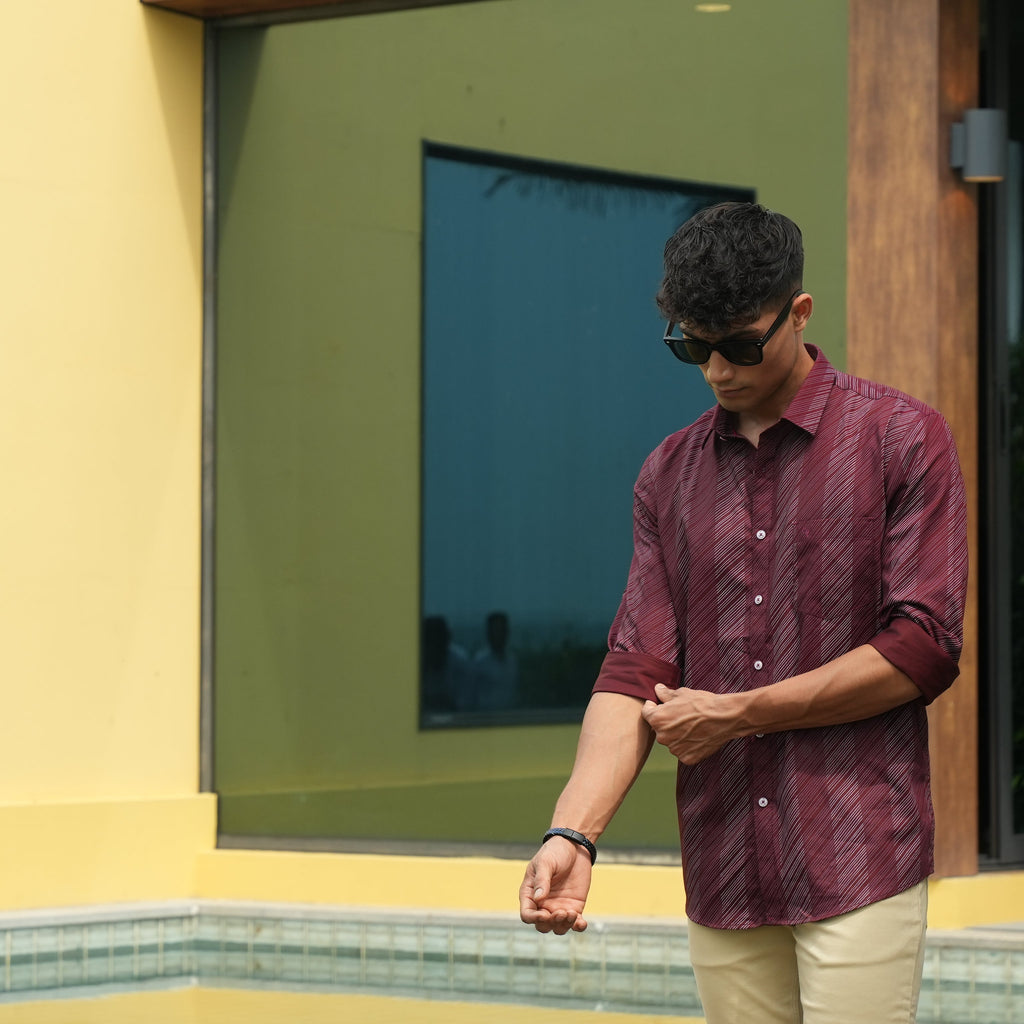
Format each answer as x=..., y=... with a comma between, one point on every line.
x=844, y=526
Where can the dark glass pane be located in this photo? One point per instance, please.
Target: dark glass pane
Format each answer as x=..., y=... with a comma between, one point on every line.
x=1002, y=535
x=1015, y=339
x=545, y=385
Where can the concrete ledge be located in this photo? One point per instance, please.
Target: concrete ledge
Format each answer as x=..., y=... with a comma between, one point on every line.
x=104, y=851
x=492, y=884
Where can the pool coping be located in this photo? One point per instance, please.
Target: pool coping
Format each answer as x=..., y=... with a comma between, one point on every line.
x=632, y=964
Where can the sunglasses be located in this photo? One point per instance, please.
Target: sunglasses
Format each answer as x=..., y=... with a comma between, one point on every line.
x=741, y=351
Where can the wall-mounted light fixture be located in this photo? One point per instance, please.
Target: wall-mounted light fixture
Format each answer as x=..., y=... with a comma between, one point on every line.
x=978, y=145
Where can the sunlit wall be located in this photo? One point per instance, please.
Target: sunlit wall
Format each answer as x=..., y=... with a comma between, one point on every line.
x=100, y=330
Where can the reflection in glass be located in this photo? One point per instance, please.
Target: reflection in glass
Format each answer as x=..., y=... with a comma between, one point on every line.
x=1001, y=540
x=496, y=668
x=542, y=394
x=1014, y=328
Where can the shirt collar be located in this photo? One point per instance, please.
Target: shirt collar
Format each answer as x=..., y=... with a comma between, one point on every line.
x=807, y=407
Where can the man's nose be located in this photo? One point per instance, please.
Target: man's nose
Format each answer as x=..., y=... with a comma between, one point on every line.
x=718, y=368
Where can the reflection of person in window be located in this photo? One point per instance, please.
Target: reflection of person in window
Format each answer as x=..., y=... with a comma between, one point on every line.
x=496, y=667
x=446, y=668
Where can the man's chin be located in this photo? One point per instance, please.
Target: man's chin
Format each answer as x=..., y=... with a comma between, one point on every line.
x=733, y=401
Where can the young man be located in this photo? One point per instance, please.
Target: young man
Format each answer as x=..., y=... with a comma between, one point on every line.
x=795, y=600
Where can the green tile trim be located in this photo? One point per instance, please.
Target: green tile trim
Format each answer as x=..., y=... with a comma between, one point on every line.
x=637, y=965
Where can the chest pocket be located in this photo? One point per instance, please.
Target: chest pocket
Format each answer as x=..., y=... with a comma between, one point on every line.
x=838, y=566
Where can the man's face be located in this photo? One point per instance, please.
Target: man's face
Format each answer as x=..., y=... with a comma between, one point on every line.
x=764, y=390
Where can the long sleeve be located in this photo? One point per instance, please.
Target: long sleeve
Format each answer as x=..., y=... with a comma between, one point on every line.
x=924, y=553
x=644, y=637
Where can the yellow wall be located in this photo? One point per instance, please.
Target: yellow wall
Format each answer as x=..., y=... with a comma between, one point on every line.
x=100, y=328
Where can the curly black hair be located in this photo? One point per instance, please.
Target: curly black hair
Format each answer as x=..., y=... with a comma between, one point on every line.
x=729, y=263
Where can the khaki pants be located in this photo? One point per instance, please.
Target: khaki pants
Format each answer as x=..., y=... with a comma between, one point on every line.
x=863, y=967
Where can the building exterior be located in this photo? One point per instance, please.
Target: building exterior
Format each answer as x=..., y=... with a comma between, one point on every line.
x=226, y=627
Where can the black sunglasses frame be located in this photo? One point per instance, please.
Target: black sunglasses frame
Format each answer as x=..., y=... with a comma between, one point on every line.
x=739, y=351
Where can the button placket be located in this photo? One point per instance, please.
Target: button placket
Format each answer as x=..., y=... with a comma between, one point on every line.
x=761, y=512
x=759, y=661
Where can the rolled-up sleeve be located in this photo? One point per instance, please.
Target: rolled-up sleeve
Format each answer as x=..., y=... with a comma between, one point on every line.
x=635, y=675
x=643, y=641
x=924, y=556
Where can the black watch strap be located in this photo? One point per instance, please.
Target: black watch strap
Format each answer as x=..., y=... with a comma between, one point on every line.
x=574, y=837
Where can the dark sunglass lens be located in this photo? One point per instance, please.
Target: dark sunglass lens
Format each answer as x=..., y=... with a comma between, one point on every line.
x=742, y=353
x=678, y=348
x=689, y=350
x=693, y=352
x=697, y=352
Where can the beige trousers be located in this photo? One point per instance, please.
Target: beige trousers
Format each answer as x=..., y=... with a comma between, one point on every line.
x=863, y=967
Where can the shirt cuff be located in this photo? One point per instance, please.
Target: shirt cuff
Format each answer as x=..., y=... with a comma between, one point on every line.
x=907, y=646
x=635, y=675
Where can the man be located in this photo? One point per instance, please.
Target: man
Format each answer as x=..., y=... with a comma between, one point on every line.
x=496, y=667
x=795, y=600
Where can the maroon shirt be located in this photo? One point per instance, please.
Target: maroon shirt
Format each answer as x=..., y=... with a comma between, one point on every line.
x=845, y=526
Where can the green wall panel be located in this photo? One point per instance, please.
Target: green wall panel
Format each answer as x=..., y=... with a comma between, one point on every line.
x=320, y=130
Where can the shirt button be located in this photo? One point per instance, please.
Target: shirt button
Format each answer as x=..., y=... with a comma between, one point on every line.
x=759, y=735
x=763, y=802
x=759, y=665
x=760, y=535
x=758, y=599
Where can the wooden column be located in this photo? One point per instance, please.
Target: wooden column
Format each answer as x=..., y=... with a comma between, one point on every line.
x=912, y=298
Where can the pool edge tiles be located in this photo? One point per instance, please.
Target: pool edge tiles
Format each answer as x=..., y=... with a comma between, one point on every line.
x=623, y=965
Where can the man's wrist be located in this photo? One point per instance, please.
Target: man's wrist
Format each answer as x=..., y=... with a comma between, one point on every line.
x=574, y=837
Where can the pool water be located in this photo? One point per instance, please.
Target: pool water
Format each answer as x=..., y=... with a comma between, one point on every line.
x=248, y=1006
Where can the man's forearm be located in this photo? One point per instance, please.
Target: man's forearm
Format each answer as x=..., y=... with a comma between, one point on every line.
x=614, y=743
x=694, y=724
x=852, y=687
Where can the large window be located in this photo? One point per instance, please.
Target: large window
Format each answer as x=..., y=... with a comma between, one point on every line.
x=1002, y=699
x=544, y=386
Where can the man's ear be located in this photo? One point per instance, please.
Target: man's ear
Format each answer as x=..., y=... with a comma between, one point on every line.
x=802, y=309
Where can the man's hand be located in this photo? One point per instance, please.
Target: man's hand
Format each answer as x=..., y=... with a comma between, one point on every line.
x=693, y=724
x=555, y=888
